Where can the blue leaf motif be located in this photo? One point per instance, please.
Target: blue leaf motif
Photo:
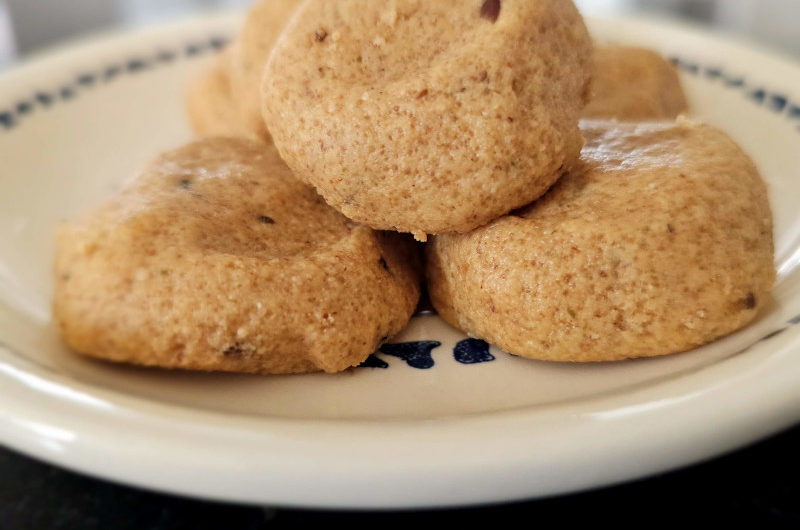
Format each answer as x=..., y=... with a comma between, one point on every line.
x=472, y=351
x=373, y=361
x=416, y=354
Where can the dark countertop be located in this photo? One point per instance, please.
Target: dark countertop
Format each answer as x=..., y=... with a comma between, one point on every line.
x=756, y=486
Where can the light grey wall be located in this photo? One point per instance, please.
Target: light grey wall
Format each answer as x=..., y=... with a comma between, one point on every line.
x=775, y=23
x=144, y=11
x=39, y=23
x=7, y=46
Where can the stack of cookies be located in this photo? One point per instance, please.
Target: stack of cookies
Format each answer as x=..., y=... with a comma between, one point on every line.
x=568, y=212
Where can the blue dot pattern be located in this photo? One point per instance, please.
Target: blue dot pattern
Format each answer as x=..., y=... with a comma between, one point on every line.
x=11, y=117
x=776, y=102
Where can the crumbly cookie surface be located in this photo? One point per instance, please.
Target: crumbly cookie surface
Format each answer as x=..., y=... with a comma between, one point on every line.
x=429, y=117
x=633, y=83
x=215, y=258
x=658, y=242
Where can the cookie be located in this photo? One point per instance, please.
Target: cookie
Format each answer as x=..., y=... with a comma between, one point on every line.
x=429, y=117
x=263, y=25
x=210, y=106
x=634, y=84
x=225, y=100
x=659, y=241
x=215, y=258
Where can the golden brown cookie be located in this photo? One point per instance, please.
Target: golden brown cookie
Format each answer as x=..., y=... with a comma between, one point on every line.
x=210, y=105
x=658, y=242
x=634, y=84
x=429, y=117
x=263, y=25
x=215, y=258
x=225, y=100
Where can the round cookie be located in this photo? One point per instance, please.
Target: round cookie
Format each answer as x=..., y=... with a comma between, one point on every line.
x=263, y=25
x=210, y=105
x=429, y=117
x=634, y=84
x=658, y=242
x=214, y=258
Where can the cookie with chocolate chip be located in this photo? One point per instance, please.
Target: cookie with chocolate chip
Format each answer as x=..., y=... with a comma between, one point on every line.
x=215, y=258
x=633, y=83
x=429, y=117
x=658, y=241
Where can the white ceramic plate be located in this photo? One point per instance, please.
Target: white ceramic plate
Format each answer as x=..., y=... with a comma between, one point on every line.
x=477, y=426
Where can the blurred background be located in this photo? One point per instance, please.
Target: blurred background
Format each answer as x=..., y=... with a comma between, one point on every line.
x=30, y=25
